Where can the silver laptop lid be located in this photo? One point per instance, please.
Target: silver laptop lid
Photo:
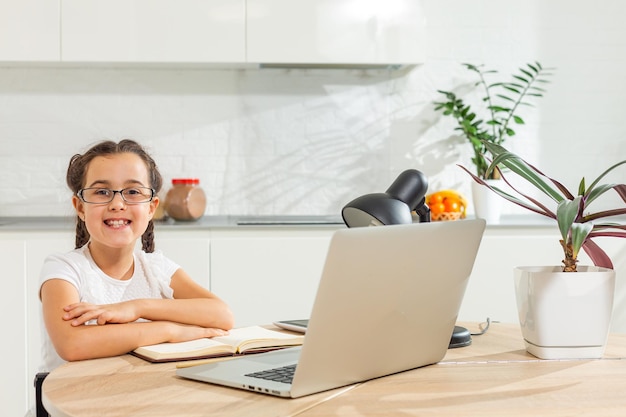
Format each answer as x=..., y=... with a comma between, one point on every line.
x=387, y=301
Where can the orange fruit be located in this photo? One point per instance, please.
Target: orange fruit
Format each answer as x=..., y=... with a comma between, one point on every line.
x=452, y=205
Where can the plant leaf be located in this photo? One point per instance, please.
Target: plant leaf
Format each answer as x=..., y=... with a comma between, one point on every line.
x=580, y=231
x=566, y=214
x=605, y=213
x=621, y=190
x=522, y=79
x=598, y=191
x=497, y=109
x=581, y=187
x=513, y=89
x=521, y=168
x=597, y=254
x=546, y=211
x=601, y=230
x=505, y=98
x=597, y=180
x=509, y=197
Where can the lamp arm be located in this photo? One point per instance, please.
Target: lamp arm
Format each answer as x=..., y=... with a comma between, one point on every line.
x=423, y=211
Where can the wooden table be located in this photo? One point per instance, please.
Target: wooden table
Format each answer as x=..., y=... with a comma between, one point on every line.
x=492, y=377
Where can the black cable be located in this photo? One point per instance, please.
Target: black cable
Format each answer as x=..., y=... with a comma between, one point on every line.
x=483, y=327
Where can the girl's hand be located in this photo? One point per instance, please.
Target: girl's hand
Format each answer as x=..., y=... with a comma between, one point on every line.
x=185, y=332
x=81, y=313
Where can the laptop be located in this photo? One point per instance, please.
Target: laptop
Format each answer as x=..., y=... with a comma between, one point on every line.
x=387, y=302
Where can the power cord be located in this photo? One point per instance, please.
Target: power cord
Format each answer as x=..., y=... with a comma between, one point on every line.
x=483, y=327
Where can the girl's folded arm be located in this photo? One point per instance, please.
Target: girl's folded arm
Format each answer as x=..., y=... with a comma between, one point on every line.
x=192, y=304
x=94, y=341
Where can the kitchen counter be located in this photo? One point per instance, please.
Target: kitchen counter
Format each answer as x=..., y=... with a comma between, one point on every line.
x=17, y=224
x=204, y=223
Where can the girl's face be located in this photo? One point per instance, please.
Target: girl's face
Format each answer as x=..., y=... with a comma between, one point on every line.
x=117, y=224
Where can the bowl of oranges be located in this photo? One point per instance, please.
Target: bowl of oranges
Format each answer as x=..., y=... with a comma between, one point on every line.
x=446, y=205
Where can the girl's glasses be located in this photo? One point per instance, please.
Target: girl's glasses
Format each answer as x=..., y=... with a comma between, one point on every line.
x=132, y=195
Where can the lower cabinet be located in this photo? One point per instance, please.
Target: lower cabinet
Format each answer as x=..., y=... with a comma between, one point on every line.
x=189, y=249
x=13, y=357
x=269, y=275
x=490, y=291
x=37, y=246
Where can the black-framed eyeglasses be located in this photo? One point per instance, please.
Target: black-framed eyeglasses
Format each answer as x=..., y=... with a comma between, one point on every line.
x=131, y=195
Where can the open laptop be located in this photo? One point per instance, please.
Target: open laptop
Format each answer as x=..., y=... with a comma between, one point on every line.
x=387, y=301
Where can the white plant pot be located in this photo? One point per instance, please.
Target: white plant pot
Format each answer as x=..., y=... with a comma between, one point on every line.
x=565, y=315
x=487, y=204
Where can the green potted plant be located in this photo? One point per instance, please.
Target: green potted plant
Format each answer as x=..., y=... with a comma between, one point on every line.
x=564, y=310
x=501, y=104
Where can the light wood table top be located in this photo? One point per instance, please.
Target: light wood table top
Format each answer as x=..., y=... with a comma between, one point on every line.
x=492, y=377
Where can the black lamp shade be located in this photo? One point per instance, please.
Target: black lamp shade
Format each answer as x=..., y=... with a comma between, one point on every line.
x=394, y=206
x=375, y=210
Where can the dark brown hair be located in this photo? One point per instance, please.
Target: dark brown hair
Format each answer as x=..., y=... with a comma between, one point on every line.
x=77, y=169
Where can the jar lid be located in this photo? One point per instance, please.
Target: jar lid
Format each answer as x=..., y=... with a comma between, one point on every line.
x=185, y=181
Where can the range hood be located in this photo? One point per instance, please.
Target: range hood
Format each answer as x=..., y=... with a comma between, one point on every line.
x=342, y=66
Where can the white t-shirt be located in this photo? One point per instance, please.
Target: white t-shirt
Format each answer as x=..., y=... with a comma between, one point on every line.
x=151, y=279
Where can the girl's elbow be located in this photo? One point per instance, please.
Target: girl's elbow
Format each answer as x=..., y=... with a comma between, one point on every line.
x=77, y=347
x=70, y=352
x=228, y=319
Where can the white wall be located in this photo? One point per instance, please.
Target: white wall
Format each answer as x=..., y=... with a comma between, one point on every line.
x=308, y=141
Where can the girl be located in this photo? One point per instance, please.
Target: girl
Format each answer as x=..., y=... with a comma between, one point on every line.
x=106, y=297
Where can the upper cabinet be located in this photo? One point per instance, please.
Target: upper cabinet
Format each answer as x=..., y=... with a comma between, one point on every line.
x=199, y=31
x=335, y=31
x=323, y=32
x=29, y=30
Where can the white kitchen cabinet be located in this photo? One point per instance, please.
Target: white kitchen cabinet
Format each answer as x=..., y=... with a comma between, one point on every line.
x=213, y=31
x=29, y=30
x=190, y=249
x=490, y=292
x=200, y=31
x=13, y=379
x=268, y=274
x=335, y=31
x=22, y=256
x=37, y=246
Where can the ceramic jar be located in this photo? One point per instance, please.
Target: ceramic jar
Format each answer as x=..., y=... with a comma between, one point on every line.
x=186, y=200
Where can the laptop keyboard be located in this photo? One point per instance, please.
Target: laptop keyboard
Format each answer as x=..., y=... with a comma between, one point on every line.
x=283, y=374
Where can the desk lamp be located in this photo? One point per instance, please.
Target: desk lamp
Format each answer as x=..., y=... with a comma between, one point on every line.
x=406, y=194
x=394, y=206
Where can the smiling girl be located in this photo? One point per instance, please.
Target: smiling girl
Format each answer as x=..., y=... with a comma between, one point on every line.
x=107, y=297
